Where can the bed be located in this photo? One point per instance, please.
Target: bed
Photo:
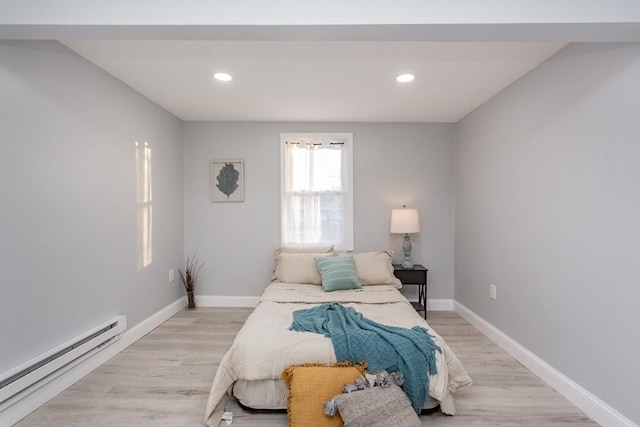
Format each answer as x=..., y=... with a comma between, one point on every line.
x=264, y=347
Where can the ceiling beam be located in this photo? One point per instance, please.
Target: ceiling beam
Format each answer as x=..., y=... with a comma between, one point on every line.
x=402, y=20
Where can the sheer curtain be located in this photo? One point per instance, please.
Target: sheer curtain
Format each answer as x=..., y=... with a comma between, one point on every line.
x=316, y=197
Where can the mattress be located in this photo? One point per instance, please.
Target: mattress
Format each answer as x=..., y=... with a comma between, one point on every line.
x=265, y=346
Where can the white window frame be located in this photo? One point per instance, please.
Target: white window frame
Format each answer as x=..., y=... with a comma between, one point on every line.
x=345, y=137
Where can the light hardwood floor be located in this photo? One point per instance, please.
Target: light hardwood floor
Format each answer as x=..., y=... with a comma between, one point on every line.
x=164, y=380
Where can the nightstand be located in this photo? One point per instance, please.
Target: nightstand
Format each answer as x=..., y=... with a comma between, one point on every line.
x=414, y=276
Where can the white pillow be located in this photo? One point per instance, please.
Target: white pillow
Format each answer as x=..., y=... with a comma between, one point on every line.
x=316, y=250
x=298, y=268
x=376, y=268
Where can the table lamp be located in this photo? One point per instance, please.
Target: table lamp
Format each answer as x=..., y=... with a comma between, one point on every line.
x=405, y=221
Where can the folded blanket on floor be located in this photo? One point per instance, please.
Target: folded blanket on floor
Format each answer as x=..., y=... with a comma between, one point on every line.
x=355, y=338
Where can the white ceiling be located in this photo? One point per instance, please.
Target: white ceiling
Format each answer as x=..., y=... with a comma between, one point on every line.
x=316, y=80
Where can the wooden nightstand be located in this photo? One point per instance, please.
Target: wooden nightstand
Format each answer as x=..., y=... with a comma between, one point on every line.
x=415, y=276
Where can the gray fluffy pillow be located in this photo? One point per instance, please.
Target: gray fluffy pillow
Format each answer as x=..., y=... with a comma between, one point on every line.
x=377, y=407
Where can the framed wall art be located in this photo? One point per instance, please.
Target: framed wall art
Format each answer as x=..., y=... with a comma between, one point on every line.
x=227, y=181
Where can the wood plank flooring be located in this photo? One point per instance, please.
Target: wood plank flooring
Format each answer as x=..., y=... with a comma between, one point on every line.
x=164, y=380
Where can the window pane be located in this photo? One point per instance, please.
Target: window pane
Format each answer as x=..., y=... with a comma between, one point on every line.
x=327, y=170
x=299, y=167
x=316, y=218
x=317, y=169
x=332, y=213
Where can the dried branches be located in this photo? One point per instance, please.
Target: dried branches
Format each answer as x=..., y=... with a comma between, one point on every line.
x=191, y=268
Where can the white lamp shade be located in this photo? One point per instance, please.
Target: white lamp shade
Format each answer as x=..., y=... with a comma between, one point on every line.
x=405, y=221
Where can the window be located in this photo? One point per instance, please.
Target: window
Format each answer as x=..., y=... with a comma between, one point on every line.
x=144, y=193
x=317, y=190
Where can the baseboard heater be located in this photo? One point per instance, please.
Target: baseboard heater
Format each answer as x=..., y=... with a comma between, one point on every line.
x=36, y=372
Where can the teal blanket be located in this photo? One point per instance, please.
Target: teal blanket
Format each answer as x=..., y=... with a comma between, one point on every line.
x=356, y=338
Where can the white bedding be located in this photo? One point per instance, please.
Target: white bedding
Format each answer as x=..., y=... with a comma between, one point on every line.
x=265, y=346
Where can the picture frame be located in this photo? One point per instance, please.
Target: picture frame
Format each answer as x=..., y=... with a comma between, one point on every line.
x=227, y=181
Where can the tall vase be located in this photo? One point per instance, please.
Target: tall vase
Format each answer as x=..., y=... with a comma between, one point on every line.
x=191, y=302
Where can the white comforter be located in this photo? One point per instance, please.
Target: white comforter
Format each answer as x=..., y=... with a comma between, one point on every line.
x=265, y=346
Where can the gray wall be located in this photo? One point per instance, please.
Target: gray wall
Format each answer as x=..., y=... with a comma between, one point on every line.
x=68, y=222
x=394, y=164
x=548, y=210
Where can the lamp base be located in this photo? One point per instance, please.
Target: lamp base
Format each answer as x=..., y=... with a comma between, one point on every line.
x=407, y=265
x=406, y=247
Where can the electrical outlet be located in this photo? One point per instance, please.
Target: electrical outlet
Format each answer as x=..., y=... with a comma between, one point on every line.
x=492, y=292
x=172, y=275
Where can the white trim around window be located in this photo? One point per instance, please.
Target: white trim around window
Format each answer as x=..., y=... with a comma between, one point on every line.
x=316, y=184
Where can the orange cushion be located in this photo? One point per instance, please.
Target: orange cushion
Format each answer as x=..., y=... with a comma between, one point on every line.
x=311, y=385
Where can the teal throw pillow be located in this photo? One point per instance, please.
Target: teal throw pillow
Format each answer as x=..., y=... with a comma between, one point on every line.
x=338, y=273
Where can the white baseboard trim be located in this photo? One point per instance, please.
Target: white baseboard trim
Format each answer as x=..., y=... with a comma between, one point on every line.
x=14, y=409
x=226, y=301
x=595, y=408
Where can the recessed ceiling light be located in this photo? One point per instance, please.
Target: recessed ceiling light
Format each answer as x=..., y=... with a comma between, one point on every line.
x=223, y=77
x=403, y=78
